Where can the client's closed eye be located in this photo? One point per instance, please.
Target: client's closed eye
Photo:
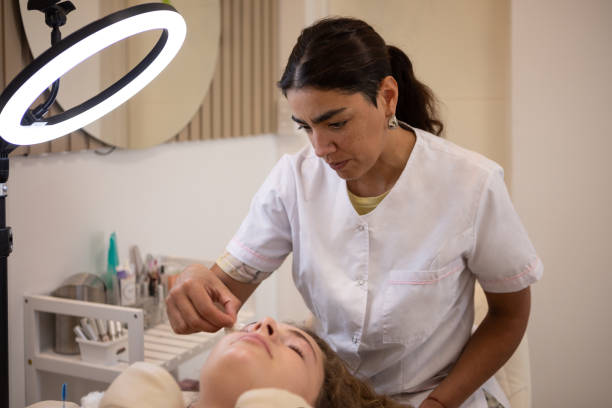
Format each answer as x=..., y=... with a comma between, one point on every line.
x=297, y=350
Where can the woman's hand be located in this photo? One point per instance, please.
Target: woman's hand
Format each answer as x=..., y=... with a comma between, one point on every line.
x=200, y=301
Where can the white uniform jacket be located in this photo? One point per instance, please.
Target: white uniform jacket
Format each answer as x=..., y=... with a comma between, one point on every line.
x=393, y=289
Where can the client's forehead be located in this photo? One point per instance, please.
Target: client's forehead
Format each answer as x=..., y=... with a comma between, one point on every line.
x=297, y=332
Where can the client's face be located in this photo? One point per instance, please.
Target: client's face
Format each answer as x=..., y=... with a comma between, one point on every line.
x=264, y=354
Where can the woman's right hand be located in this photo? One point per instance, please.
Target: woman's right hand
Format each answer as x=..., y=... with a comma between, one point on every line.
x=200, y=301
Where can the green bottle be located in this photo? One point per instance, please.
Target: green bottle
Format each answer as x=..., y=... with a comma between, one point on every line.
x=112, y=284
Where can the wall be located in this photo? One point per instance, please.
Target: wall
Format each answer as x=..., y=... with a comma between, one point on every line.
x=183, y=199
x=562, y=187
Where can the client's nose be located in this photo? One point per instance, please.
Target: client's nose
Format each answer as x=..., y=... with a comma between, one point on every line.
x=267, y=326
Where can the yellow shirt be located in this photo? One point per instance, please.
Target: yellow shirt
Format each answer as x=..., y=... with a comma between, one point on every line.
x=364, y=205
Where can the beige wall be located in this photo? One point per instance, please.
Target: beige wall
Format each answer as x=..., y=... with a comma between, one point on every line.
x=562, y=185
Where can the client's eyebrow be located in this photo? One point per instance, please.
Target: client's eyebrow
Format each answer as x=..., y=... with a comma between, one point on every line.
x=321, y=118
x=299, y=334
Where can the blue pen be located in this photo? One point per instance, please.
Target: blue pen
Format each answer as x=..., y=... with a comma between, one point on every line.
x=64, y=395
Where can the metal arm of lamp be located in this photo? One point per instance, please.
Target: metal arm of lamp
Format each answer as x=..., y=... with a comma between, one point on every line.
x=55, y=17
x=20, y=125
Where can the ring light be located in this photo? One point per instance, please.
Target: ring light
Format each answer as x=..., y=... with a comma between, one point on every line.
x=69, y=52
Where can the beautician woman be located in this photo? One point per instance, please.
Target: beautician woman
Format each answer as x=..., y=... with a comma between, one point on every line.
x=389, y=224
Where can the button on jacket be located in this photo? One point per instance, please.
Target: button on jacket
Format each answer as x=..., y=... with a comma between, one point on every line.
x=392, y=289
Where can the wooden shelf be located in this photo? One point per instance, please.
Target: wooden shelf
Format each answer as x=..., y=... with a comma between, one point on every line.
x=74, y=366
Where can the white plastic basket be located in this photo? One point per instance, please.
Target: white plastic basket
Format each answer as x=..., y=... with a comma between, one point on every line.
x=103, y=352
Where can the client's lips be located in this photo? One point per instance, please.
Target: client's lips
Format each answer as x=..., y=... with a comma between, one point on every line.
x=258, y=339
x=338, y=165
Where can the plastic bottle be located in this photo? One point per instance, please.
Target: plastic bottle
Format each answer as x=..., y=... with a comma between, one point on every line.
x=112, y=284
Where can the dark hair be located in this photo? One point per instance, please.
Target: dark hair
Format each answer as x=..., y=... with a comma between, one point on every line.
x=347, y=54
x=341, y=388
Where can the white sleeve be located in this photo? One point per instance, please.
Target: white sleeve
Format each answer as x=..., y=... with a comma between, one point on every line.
x=263, y=240
x=503, y=258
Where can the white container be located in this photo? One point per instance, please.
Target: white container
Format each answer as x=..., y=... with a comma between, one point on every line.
x=53, y=404
x=103, y=352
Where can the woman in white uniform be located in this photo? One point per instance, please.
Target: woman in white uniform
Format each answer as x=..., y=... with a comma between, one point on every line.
x=390, y=226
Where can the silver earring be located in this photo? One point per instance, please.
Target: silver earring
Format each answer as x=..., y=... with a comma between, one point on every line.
x=393, y=122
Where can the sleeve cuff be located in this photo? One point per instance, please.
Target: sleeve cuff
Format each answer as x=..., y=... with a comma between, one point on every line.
x=240, y=271
x=530, y=274
x=252, y=258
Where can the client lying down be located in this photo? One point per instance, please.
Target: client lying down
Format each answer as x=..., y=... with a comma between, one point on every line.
x=267, y=364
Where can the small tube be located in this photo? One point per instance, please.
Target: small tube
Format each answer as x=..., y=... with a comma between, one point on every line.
x=94, y=327
x=119, y=328
x=111, y=330
x=102, y=329
x=88, y=330
x=79, y=333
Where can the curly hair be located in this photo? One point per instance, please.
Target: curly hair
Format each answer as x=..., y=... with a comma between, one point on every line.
x=341, y=388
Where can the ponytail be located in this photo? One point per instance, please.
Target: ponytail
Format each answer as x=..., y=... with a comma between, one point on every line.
x=416, y=103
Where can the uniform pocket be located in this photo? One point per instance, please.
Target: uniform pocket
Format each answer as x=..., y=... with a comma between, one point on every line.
x=417, y=301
